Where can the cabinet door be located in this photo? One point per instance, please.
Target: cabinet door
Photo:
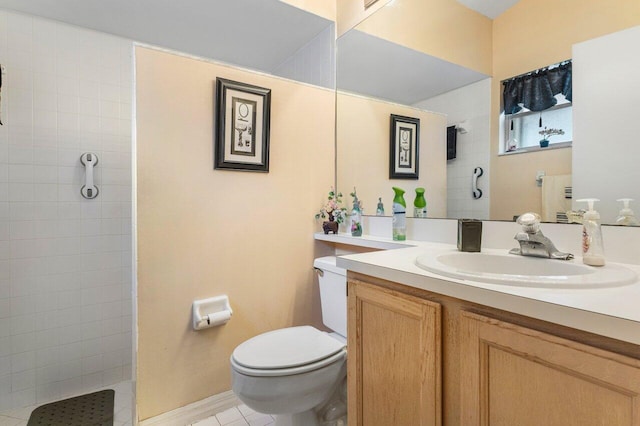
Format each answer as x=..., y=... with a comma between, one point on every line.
x=394, y=358
x=511, y=375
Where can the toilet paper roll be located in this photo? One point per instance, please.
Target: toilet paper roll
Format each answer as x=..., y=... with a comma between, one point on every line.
x=218, y=318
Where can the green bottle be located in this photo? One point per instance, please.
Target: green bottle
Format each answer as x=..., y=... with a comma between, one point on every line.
x=420, y=204
x=399, y=215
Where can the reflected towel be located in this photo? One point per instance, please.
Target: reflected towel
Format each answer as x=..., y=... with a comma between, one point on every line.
x=553, y=196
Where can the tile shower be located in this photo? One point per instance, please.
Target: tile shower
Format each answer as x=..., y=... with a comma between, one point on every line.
x=65, y=262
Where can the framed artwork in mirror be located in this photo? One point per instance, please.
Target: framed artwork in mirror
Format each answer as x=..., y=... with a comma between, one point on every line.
x=404, y=147
x=242, y=120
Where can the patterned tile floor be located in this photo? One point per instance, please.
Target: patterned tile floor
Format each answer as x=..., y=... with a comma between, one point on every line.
x=237, y=416
x=122, y=408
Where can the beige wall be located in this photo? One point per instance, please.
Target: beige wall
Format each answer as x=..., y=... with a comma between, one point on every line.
x=515, y=175
x=363, y=143
x=324, y=8
x=204, y=232
x=535, y=33
x=442, y=28
x=530, y=35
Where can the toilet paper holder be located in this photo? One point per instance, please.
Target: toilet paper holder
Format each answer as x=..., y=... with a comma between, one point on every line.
x=211, y=312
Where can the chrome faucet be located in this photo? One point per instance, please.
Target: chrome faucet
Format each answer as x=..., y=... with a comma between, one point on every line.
x=533, y=242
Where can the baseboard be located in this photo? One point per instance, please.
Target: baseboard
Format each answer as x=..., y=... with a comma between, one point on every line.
x=196, y=411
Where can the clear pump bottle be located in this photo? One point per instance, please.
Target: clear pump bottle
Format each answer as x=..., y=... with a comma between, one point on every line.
x=626, y=216
x=592, y=245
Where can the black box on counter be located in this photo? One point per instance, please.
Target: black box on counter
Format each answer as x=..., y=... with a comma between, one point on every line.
x=469, y=235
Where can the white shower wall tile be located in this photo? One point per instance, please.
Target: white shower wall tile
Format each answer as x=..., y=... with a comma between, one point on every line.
x=469, y=104
x=65, y=277
x=5, y=289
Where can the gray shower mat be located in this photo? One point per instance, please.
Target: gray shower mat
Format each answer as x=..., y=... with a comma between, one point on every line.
x=92, y=409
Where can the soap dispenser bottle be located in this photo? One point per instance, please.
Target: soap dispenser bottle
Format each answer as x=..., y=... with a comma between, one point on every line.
x=626, y=216
x=592, y=245
x=399, y=215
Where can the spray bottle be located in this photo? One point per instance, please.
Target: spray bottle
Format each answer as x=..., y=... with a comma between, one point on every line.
x=399, y=215
x=592, y=245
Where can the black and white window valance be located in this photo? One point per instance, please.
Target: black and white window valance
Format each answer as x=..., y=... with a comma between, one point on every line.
x=536, y=90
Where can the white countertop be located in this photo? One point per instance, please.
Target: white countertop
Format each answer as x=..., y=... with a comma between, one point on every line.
x=613, y=312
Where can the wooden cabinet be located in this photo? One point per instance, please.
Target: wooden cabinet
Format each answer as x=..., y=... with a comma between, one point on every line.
x=421, y=358
x=513, y=375
x=394, y=358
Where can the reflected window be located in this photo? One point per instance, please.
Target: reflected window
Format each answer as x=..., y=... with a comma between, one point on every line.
x=537, y=110
x=522, y=130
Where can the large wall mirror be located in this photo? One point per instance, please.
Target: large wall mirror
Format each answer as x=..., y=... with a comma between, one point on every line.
x=443, y=62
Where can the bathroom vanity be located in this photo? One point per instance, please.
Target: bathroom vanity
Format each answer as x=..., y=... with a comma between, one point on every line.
x=425, y=349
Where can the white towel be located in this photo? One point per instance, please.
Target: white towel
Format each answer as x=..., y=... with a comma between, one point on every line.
x=553, y=196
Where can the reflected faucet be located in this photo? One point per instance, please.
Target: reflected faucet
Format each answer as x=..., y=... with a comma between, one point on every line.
x=533, y=242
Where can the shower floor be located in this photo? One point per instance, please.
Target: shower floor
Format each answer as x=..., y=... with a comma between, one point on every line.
x=122, y=408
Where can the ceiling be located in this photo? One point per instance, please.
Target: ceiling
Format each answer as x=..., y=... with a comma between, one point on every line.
x=263, y=34
x=257, y=34
x=489, y=8
x=368, y=65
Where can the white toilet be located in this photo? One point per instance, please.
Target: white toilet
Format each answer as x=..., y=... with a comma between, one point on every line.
x=299, y=373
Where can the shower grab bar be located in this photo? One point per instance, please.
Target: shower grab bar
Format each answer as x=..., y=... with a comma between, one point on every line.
x=89, y=160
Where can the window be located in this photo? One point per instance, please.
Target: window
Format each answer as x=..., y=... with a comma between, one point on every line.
x=537, y=109
x=521, y=130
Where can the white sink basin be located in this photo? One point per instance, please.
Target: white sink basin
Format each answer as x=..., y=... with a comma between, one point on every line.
x=524, y=271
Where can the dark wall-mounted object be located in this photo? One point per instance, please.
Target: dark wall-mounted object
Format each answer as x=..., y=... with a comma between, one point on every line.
x=452, y=135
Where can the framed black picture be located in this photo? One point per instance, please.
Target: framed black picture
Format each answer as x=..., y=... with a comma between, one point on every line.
x=242, y=126
x=404, y=147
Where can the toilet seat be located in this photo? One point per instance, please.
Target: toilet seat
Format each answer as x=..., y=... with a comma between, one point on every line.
x=288, y=371
x=287, y=351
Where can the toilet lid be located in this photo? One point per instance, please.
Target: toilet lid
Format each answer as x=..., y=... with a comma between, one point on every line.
x=286, y=348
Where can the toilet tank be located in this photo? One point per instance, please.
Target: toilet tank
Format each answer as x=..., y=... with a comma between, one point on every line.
x=333, y=294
